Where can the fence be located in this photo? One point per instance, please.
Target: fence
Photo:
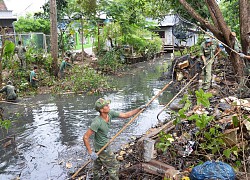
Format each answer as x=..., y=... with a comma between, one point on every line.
x=38, y=41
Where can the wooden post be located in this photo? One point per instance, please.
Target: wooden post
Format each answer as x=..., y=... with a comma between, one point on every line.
x=82, y=37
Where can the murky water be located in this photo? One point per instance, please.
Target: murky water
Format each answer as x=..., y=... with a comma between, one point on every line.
x=48, y=129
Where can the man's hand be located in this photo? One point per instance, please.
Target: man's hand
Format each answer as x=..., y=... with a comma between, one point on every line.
x=142, y=107
x=93, y=156
x=242, y=55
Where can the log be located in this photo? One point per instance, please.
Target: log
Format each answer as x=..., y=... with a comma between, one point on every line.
x=152, y=167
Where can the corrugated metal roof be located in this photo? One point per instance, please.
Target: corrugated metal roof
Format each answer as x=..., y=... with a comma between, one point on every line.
x=169, y=20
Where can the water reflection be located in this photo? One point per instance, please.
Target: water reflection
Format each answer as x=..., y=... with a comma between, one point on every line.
x=49, y=129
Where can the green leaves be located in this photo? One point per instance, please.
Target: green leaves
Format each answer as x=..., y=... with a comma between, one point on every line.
x=229, y=151
x=235, y=121
x=5, y=124
x=165, y=141
x=30, y=24
x=203, y=98
x=8, y=49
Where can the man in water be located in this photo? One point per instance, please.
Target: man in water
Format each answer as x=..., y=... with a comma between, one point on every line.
x=10, y=91
x=100, y=128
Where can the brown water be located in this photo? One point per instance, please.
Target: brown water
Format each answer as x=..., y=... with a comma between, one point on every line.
x=49, y=129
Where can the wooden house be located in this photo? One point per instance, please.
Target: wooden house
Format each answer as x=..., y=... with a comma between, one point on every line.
x=170, y=41
x=6, y=18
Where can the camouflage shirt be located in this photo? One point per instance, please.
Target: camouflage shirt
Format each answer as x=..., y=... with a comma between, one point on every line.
x=10, y=92
x=101, y=129
x=20, y=51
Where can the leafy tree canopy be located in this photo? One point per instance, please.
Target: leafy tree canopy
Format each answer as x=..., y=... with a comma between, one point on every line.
x=29, y=24
x=230, y=11
x=61, y=6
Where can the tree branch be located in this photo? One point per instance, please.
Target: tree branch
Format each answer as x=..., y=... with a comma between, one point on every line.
x=218, y=19
x=196, y=16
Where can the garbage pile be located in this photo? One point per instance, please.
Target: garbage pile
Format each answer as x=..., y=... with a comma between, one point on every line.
x=184, y=67
x=220, y=140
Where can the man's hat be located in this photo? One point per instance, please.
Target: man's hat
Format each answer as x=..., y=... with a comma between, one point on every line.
x=100, y=103
x=208, y=40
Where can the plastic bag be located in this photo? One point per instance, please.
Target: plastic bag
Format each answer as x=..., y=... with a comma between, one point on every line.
x=212, y=170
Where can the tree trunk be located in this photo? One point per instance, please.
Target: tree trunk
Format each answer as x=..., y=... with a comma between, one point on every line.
x=220, y=30
x=82, y=38
x=1, y=55
x=98, y=35
x=53, y=36
x=245, y=24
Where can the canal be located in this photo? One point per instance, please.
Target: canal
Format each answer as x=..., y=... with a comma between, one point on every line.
x=48, y=129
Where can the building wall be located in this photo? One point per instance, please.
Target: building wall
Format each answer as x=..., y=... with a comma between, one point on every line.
x=168, y=38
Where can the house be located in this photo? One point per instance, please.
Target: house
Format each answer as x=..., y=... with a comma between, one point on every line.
x=6, y=18
x=175, y=32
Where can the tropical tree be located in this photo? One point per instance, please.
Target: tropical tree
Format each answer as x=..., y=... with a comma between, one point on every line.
x=208, y=15
x=30, y=24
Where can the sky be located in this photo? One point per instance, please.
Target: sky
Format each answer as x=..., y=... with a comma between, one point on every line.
x=22, y=7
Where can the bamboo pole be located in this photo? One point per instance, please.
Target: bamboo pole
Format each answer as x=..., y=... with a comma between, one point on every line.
x=124, y=127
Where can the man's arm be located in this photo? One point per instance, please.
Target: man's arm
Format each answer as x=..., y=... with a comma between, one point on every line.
x=3, y=89
x=202, y=54
x=129, y=113
x=203, y=59
x=68, y=64
x=244, y=56
x=86, y=140
x=247, y=57
x=34, y=78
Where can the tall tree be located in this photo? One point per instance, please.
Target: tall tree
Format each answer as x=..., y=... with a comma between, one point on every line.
x=245, y=24
x=53, y=36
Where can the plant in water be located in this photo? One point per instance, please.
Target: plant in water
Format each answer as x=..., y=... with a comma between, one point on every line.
x=5, y=124
x=84, y=79
x=111, y=61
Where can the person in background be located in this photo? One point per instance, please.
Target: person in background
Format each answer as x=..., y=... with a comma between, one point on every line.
x=64, y=64
x=237, y=46
x=33, y=77
x=100, y=128
x=208, y=51
x=21, y=50
x=70, y=56
x=10, y=91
